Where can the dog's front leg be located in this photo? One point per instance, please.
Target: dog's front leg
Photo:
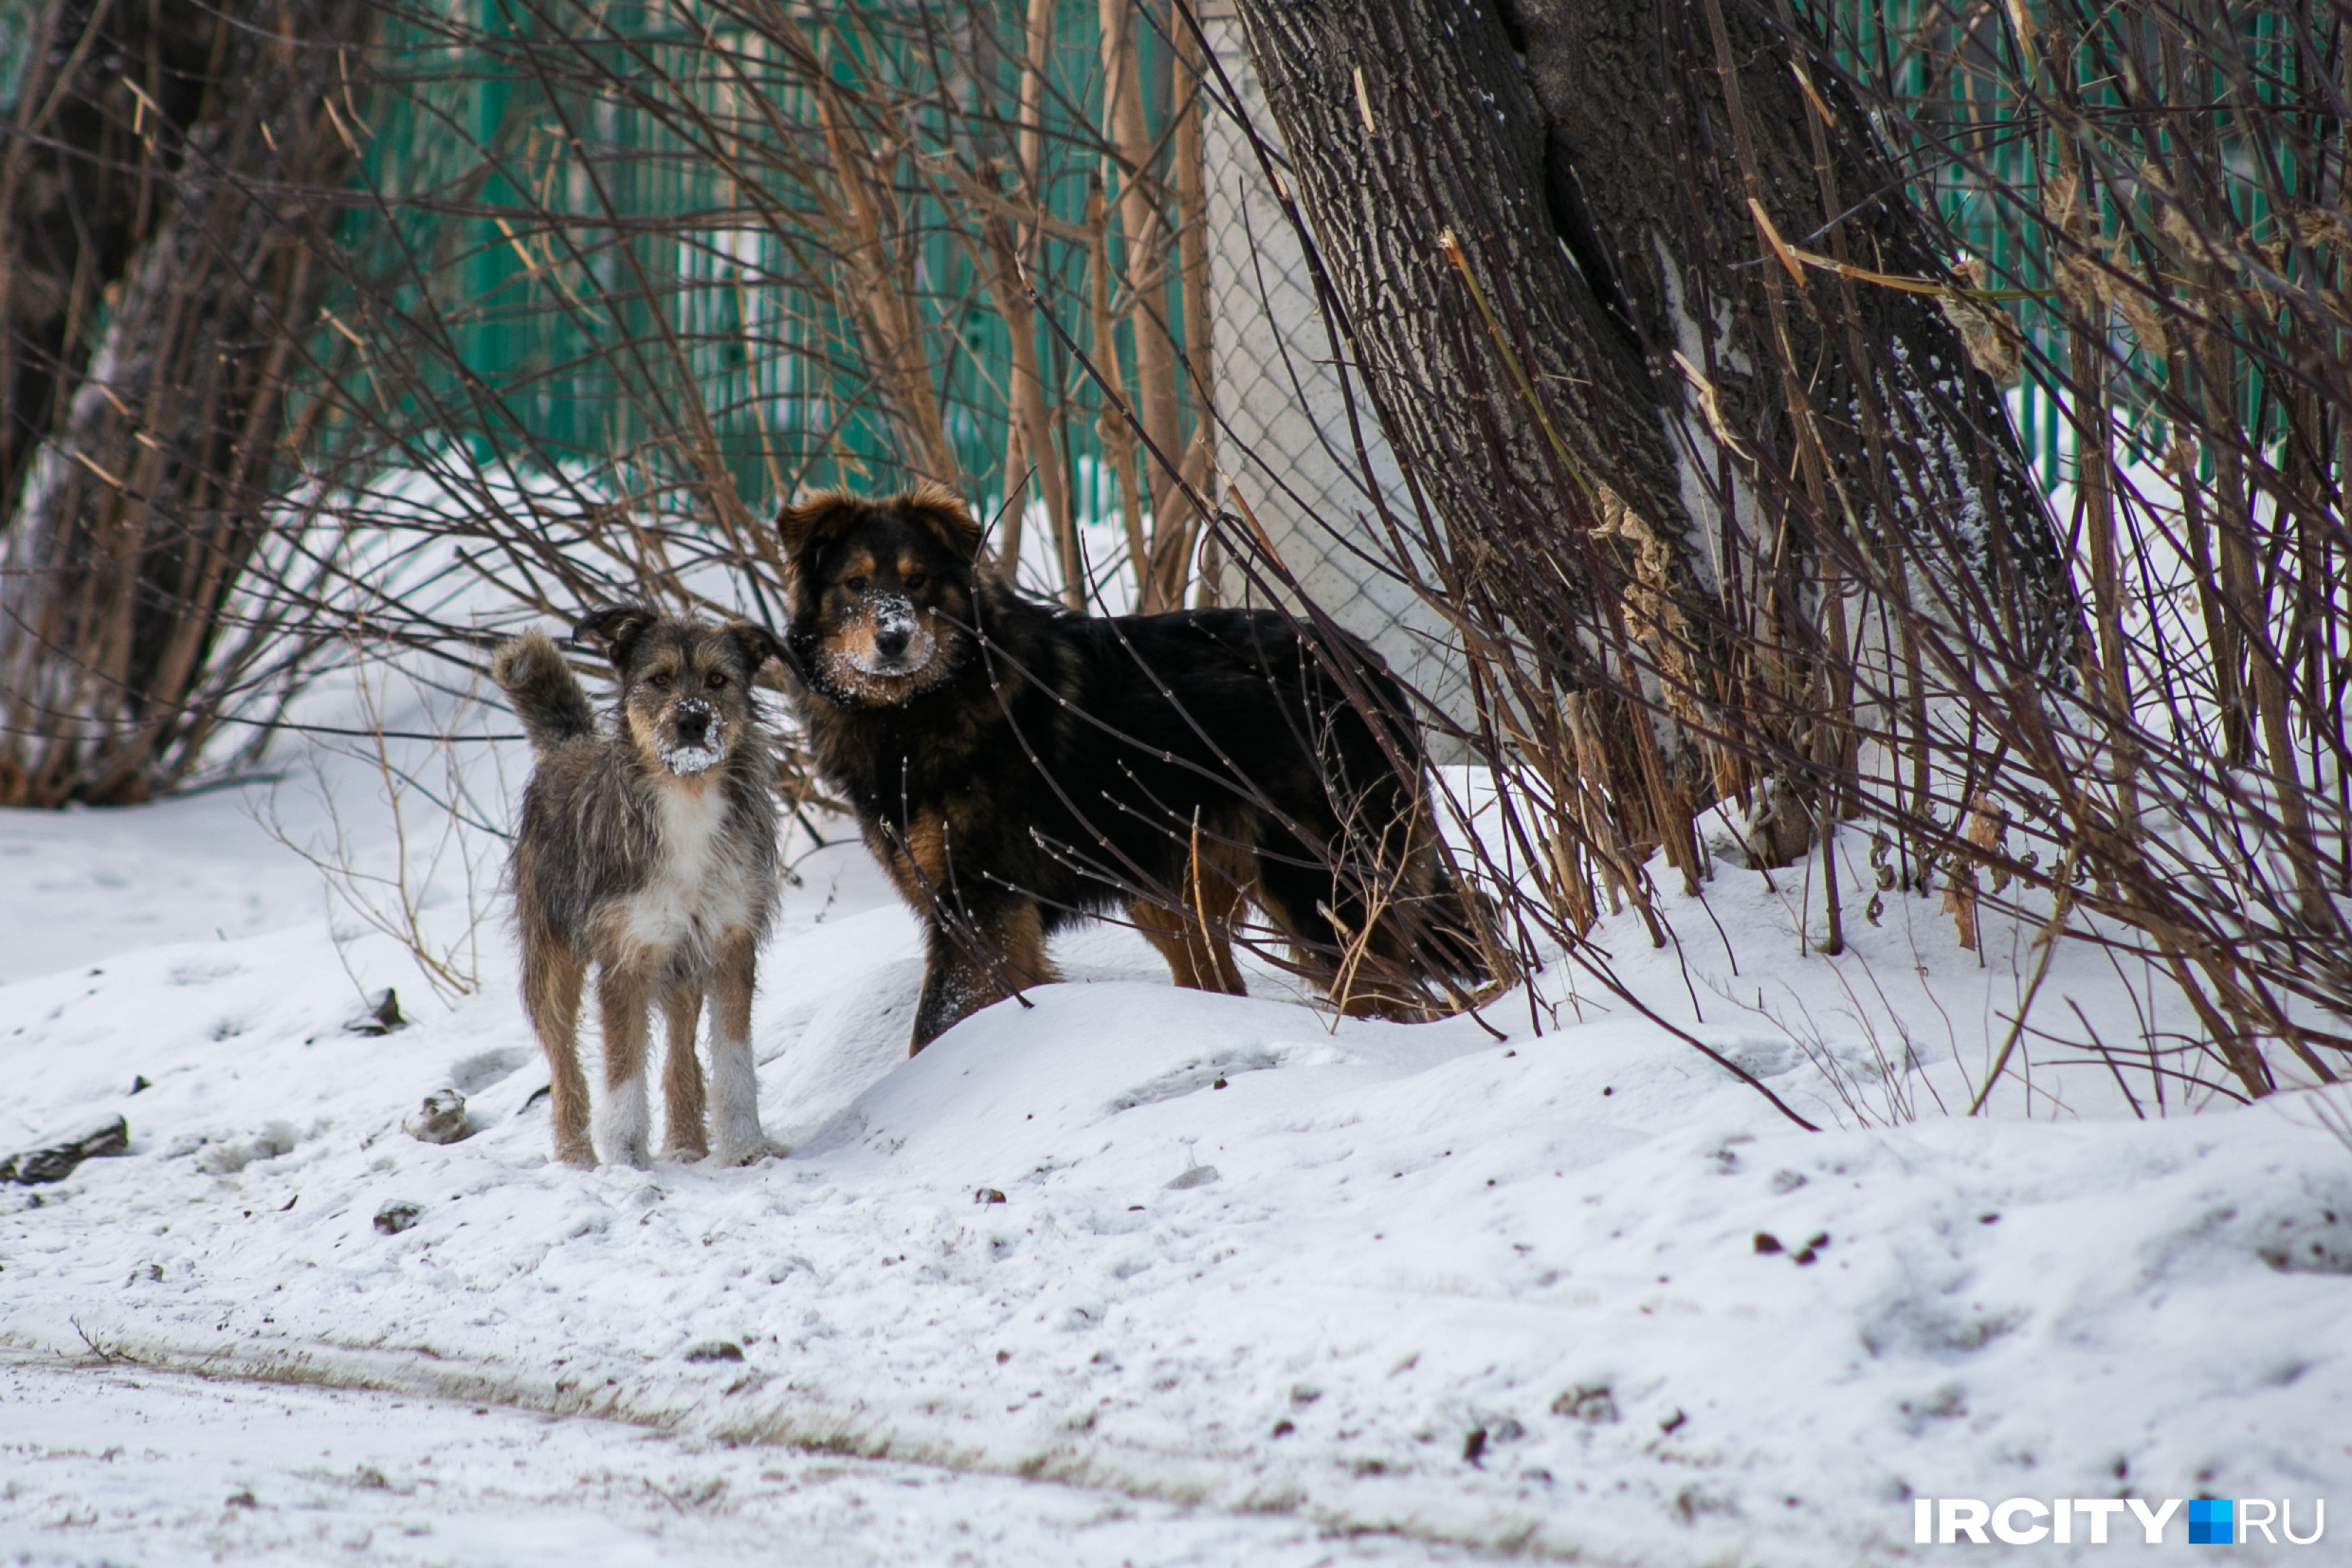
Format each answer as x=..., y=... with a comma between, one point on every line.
x=624, y=1121
x=734, y=1080
x=681, y=1075
x=995, y=952
x=552, y=977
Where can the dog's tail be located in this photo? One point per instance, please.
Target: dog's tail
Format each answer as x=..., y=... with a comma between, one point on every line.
x=546, y=695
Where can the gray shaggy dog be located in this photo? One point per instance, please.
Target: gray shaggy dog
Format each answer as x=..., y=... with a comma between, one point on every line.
x=649, y=851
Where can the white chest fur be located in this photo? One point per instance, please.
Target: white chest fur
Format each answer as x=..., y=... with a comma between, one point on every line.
x=698, y=887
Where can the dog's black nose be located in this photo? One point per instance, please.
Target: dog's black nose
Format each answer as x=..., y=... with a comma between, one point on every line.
x=693, y=728
x=891, y=642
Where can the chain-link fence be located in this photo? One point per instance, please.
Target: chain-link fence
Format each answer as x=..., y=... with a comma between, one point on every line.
x=1286, y=440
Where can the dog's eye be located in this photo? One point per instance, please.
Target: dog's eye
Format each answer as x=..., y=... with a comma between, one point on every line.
x=715, y=681
x=855, y=585
x=917, y=580
x=660, y=681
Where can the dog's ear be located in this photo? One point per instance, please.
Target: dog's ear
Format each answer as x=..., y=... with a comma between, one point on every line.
x=618, y=626
x=941, y=512
x=803, y=527
x=758, y=646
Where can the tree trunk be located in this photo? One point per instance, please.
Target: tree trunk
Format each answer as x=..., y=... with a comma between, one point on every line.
x=1514, y=401
x=1406, y=121
x=80, y=190
x=153, y=439
x=1646, y=373
x=1686, y=135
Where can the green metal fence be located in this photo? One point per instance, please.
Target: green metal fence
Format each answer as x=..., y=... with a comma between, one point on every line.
x=1908, y=49
x=580, y=263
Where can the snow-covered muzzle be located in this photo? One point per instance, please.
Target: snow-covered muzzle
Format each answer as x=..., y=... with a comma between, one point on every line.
x=692, y=738
x=895, y=640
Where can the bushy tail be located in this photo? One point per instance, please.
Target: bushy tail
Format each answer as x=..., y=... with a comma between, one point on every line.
x=546, y=695
x=1464, y=937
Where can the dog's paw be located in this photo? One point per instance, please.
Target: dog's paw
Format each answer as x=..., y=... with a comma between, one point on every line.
x=751, y=1153
x=633, y=1156
x=579, y=1156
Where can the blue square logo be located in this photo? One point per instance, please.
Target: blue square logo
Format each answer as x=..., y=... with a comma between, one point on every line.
x=2212, y=1522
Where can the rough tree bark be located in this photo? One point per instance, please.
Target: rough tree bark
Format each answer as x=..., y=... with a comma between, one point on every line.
x=1409, y=120
x=1695, y=148
x=80, y=190
x=1515, y=403
x=1631, y=347
x=175, y=209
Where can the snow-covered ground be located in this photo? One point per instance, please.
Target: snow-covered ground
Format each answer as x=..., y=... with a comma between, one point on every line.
x=1260, y=1282
x=122, y=1463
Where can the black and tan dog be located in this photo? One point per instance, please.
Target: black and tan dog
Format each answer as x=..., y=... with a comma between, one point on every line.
x=1014, y=767
x=650, y=852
